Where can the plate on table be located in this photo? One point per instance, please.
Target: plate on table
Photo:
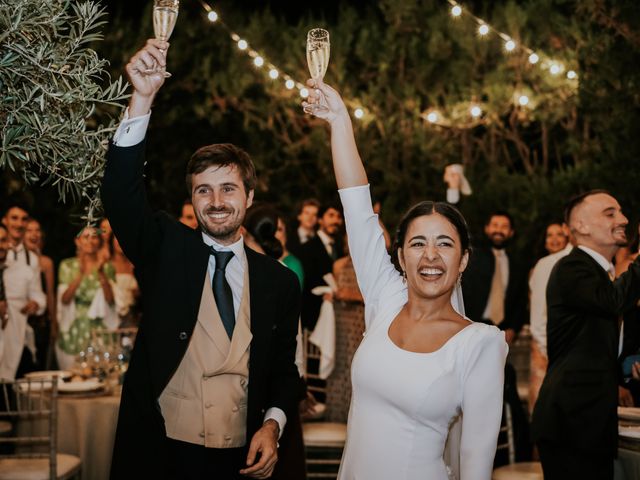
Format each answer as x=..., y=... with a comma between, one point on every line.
x=84, y=386
x=63, y=374
x=632, y=432
x=629, y=413
x=38, y=384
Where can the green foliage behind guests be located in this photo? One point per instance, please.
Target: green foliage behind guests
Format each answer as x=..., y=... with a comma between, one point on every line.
x=50, y=83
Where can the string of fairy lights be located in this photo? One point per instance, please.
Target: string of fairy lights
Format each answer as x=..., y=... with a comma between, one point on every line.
x=433, y=115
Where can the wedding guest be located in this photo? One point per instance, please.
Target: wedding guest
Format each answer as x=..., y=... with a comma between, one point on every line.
x=538, y=281
x=627, y=254
x=288, y=258
x=187, y=215
x=20, y=295
x=556, y=237
x=212, y=372
x=457, y=183
x=105, y=233
x=15, y=220
x=574, y=421
x=126, y=291
x=421, y=363
x=44, y=325
x=86, y=302
x=307, y=224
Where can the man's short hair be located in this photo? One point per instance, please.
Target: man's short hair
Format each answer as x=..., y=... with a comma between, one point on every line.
x=222, y=155
x=577, y=200
x=328, y=206
x=501, y=213
x=309, y=202
x=13, y=203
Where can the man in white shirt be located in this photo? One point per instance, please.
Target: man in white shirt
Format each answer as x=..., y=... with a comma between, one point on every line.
x=21, y=295
x=307, y=224
x=212, y=374
x=538, y=318
x=15, y=220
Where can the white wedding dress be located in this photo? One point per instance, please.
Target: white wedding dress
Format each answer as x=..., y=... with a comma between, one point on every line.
x=403, y=403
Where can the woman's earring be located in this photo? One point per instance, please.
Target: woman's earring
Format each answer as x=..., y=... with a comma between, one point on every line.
x=459, y=280
x=404, y=276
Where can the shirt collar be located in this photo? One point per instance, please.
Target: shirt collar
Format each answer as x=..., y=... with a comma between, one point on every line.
x=237, y=248
x=602, y=261
x=326, y=239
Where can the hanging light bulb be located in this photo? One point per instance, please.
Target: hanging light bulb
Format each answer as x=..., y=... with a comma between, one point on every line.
x=533, y=58
x=555, y=69
x=258, y=61
x=523, y=100
x=273, y=73
x=456, y=10
x=483, y=29
x=242, y=44
x=289, y=84
x=510, y=45
x=572, y=75
x=476, y=111
x=212, y=16
x=304, y=92
x=358, y=112
x=432, y=117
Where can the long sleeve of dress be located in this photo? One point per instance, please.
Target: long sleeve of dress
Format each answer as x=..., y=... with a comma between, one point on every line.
x=483, y=381
x=377, y=277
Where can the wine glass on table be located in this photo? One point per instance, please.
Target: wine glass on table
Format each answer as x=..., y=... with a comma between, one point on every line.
x=318, y=49
x=165, y=14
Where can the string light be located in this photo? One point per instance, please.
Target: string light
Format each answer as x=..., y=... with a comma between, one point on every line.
x=433, y=116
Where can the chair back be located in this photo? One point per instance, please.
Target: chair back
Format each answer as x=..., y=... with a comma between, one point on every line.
x=311, y=360
x=31, y=406
x=506, y=440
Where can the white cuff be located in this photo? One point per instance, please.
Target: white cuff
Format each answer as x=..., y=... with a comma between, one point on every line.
x=131, y=131
x=277, y=414
x=453, y=195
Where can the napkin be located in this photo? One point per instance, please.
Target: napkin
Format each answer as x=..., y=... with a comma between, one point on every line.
x=324, y=334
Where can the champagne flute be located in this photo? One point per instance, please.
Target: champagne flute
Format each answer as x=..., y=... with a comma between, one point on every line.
x=165, y=14
x=318, y=48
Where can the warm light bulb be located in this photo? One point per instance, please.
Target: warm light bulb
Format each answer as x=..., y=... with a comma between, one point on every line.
x=533, y=58
x=304, y=93
x=510, y=45
x=571, y=75
x=554, y=69
x=476, y=111
x=456, y=10
x=289, y=84
x=432, y=117
x=242, y=44
x=273, y=73
x=523, y=100
x=483, y=29
x=358, y=112
x=258, y=61
x=212, y=16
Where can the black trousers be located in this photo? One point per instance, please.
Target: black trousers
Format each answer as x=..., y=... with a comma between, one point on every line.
x=195, y=462
x=562, y=463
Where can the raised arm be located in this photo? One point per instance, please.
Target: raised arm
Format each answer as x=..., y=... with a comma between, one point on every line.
x=347, y=164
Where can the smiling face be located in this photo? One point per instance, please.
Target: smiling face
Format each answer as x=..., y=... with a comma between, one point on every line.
x=555, y=238
x=89, y=241
x=16, y=222
x=331, y=221
x=499, y=230
x=431, y=256
x=33, y=236
x=598, y=223
x=308, y=217
x=220, y=202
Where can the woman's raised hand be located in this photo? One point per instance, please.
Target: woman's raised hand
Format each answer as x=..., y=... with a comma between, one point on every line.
x=323, y=94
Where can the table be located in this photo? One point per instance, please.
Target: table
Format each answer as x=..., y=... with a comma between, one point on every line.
x=87, y=429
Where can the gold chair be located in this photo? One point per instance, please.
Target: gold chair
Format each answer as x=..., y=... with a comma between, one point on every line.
x=30, y=453
x=315, y=385
x=506, y=441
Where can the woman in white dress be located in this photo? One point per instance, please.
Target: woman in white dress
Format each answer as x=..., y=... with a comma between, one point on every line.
x=421, y=363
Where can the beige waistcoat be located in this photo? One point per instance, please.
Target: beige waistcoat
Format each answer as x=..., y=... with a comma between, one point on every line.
x=205, y=402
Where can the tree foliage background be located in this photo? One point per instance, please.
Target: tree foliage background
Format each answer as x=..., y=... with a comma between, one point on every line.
x=399, y=58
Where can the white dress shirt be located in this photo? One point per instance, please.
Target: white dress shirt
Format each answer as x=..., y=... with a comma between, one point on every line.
x=538, y=289
x=132, y=131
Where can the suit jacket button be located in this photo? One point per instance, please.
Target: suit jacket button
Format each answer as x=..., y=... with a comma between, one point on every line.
x=183, y=335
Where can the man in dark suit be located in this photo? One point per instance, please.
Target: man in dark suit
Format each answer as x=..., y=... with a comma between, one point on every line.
x=212, y=374
x=317, y=257
x=494, y=286
x=574, y=420
x=306, y=225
